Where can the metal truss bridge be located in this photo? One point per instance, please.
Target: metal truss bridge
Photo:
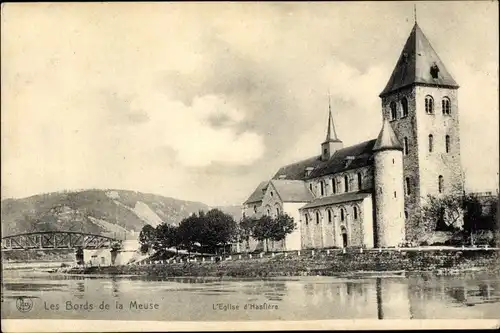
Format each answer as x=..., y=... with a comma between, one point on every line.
x=46, y=240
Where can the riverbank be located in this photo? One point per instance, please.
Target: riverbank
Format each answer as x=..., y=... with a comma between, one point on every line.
x=333, y=264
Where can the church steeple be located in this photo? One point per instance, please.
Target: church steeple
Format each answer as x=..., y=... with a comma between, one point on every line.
x=332, y=142
x=418, y=64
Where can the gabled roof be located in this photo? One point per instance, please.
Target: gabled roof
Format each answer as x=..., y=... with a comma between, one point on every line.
x=347, y=158
x=415, y=63
x=292, y=190
x=257, y=194
x=387, y=139
x=337, y=199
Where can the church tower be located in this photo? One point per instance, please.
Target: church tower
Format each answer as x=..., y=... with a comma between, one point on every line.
x=388, y=188
x=332, y=142
x=420, y=102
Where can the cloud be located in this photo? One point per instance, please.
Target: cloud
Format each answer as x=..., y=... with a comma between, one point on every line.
x=184, y=99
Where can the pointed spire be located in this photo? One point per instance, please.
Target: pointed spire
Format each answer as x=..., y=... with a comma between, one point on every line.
x=387, y=139
x=331, y=134
x=415, y=12
x=418, y=64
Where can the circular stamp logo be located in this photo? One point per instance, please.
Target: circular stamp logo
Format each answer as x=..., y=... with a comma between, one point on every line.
x=24, y=304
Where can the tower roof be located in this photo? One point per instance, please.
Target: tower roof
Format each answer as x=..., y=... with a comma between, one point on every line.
x=331, y=134
x=418, y=64
x=387, y=139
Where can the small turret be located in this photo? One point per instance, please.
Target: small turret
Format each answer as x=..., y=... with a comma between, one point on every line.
x=332, y=142
x=389, y=195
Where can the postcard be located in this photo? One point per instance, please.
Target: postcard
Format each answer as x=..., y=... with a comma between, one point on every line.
x=250, y=166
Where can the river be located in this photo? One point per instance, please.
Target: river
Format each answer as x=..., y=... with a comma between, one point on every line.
x=473, y=295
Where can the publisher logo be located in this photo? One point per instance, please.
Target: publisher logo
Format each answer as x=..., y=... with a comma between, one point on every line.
x=24, y=304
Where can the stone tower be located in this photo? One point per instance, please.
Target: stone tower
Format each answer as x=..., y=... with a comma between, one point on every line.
x=420, y=101
x=332, y=142
x=388, y=188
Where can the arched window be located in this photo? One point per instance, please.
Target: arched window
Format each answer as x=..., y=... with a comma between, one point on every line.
x=355, y=212
x=407, y=186
x=330, y=217
x=346, y=183
x=311, y=187
x=342, y=214
x=317, y=217
x=322, y=187
x=360, y=181
x=445, y=106
x=404, y=107
x=394, y=111
x=277, y=211
x=268, y=212
x=405, y=146
x=334, y=186
x=440, y=184
x=307, y=218
x=447, y=143
x=431, y=143
x=429, y=105
x=255, y=208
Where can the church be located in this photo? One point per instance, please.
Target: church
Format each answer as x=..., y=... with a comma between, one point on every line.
x=371, y=194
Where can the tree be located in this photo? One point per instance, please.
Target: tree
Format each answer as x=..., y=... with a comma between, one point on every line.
x=167, y=236
x=147, y=237
x=442, y=213
x=245, y=229
x=220, y=229
x=472, y=215
x=262, y=230
x=281, y=226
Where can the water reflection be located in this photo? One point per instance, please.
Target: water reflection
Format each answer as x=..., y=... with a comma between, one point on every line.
x=423, y=296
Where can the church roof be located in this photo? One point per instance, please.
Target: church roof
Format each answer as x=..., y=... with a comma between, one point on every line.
x=337, y=199
x=347, y=158
x=331, y=134
x=292, y=190
x=387, y=139
x=257, y=194
x=417, y=64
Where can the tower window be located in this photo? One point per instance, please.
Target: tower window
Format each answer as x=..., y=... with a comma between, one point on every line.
x=394, y=113
x=355, y=212
x=317, y=217
x=445, y=105
x=429, y=104
x=346, y=183
x=406, y=215
x=440, y=184
x=360, y=181
x=307, y=219
x=431, y=143
x=334, y=186
x=405, y=146
x=404, y=107
x=395, y=194
x=272, y=194
x=447, y=143
x=311, y=187
x=277, y=211
x=407, y=186
x=434, y=71
x=342, y=214
x=322, y=188
x=330, y=216
x=255, y=208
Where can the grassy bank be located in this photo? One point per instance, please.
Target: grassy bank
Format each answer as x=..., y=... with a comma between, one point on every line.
x=327, y=265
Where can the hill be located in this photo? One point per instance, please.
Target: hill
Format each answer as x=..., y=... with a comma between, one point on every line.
x=96, y=211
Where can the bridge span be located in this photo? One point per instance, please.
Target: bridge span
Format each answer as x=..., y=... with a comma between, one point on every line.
x=47, y=240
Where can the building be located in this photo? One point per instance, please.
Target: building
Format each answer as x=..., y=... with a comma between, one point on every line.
x=370, y=194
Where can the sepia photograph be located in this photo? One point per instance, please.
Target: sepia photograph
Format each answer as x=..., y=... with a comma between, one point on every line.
x=249, y=165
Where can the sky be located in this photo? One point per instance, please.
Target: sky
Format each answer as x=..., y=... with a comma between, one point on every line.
x=202, y=101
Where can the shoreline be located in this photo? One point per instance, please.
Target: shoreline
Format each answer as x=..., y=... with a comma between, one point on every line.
x=394, y=264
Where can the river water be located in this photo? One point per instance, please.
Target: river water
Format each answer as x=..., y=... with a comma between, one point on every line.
x=418, y=296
